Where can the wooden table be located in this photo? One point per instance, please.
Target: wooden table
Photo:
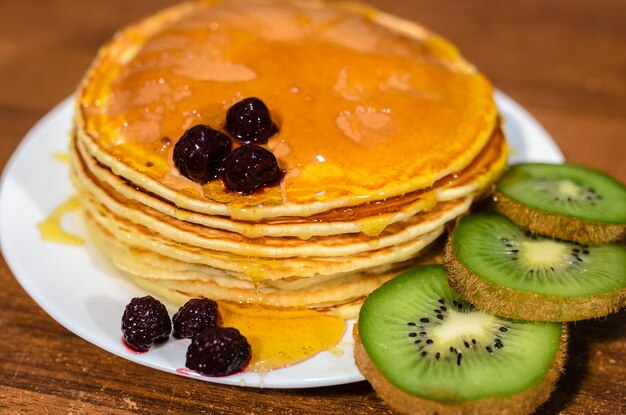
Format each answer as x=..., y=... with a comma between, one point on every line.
x=562, y=60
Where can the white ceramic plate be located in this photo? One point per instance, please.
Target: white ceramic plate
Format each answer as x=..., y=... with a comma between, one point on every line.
x=80, y=289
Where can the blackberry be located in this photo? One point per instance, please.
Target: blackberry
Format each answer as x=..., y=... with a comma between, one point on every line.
x=145, y=321
x=195, y=316
x=199, y=153
x=249, y=121
x=218, y=351
x=250, y=168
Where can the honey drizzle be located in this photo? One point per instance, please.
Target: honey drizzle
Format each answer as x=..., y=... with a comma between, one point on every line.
x=61, y=157
x=51, y=229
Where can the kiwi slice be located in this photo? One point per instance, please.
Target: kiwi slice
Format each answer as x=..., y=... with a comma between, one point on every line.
x=565, y=201
x=425, y=351
x=506, y=270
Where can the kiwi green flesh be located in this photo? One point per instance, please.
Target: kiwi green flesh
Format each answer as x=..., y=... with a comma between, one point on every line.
x=428, y=342
x=523, y=403
x=566, y=189
x=498, y=251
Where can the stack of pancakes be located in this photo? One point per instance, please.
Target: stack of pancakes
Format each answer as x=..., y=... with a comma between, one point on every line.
x=385, y=135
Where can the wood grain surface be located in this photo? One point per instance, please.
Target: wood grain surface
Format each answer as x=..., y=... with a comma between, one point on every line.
x=563, y=60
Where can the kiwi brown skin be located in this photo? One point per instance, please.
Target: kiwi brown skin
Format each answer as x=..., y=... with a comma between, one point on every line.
x=522, y=305
x=525, y=402
x=558, y=226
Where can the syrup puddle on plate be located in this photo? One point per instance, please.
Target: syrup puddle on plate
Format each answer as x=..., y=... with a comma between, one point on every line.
x=282, y=338
x=51, y=228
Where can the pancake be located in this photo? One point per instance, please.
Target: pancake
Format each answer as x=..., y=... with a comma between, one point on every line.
x=255, y=268
x=369, y=218
x=345, y=130
x=385, y=136
x=178, y=281
x=104, y=197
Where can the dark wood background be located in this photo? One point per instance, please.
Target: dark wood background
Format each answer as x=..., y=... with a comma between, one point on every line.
x=563, y=60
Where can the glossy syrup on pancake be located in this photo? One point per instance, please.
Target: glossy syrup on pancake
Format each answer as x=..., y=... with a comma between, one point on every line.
x=375, y=96
x=279, y=247
x=369, y=218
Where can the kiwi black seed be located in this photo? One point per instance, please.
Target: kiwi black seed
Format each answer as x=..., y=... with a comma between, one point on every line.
x=506, y=270
x=425, y=350
x=565, y=201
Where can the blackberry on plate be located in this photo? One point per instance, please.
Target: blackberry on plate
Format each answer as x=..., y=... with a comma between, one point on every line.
x=249, y=121
x=196, y=315
x=144, y=322
x=218, y=351
x=199, y=153
x=250, y=168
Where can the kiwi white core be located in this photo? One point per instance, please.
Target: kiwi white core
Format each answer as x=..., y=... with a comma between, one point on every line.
x=569, y=188
x=458, y=326
x=543, y=253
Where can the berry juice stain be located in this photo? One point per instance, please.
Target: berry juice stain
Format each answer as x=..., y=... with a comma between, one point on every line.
x=51, y=230
x=282, y=338
x=129, y=348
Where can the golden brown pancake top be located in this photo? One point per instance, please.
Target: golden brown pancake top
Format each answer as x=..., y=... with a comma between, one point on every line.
x=364, y=111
